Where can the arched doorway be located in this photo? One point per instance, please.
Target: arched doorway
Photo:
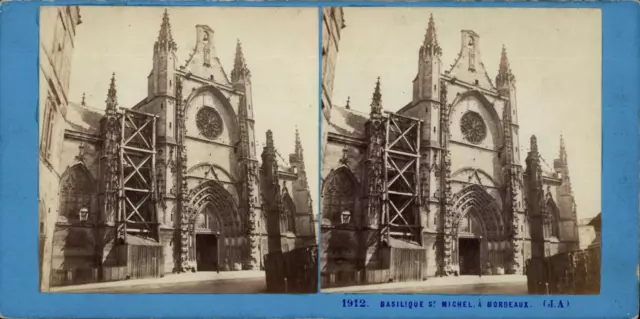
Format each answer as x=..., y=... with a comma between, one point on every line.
x=339, y=218
x=74, y=243
x=217, y=240
x=288, y=218
x=478, y=239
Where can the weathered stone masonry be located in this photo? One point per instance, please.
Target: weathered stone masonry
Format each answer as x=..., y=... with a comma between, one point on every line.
x=474, y=193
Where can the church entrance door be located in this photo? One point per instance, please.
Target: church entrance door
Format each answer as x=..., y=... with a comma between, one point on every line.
x=469, y=256
x=207, y=252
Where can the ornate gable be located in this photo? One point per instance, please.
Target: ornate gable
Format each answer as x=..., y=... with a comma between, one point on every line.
x=468, y=66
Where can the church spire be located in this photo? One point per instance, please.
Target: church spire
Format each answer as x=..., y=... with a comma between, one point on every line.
x=112, y=99
x=563, y=151
x=165, y=39
x=376, y=102
x=240, y=69
x=430, y=45
x=504, y=78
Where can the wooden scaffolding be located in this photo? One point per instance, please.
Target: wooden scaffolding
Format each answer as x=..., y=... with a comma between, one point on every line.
x=401, y=202
x=136, y=187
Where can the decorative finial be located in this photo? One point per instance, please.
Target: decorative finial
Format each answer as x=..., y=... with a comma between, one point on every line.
x=269, y=141
x=345, y=155
x=83, y=99
x=563, y=150
x=376, y=103
x=112, y=99
x=239, y=61
x=298, y=146
x=80, y=156
x=348, y=107
x=534, y=144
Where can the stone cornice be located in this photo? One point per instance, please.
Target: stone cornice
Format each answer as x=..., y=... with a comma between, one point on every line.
x=472, y=146
x=195, y=78
x=80, y=136
x=344, y=139
x=454, y=80
x=189, y=137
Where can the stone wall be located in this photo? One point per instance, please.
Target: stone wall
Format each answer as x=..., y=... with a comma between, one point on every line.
x=576, y=272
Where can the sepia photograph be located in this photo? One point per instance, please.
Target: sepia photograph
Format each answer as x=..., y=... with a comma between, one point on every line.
x=461, y=150
x=178, y=149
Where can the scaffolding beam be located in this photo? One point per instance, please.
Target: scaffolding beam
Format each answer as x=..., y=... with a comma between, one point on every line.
x=136, y=185
x=401, y=200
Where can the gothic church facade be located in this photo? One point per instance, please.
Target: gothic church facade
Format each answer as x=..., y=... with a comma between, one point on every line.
x=208, y=190
x=473, y=206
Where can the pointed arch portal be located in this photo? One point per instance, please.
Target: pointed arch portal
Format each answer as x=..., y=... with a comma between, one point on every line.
x=340, y=192
x=216, y=241
x=478, y=231
x=77, y=188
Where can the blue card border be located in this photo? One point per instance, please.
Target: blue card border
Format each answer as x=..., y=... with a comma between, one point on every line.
x=19, y=296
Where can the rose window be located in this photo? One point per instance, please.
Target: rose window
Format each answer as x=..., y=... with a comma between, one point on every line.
x=473, y=127
x=209, y=122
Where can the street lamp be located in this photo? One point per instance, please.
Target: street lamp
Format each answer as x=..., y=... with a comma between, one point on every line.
x=84, y=214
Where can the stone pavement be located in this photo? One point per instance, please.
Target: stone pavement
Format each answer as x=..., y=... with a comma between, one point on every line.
x=167, y=279
x=434, y=282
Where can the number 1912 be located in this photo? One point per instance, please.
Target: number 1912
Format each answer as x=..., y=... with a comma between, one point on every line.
x=353, y=303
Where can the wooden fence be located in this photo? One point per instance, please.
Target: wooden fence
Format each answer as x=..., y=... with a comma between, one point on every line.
x=355, y=277
x=145, y=261
x=78, y=276
x=405, y=265
x=575, y=272
x=137, y=262
x=408, y=264
x=295, y=271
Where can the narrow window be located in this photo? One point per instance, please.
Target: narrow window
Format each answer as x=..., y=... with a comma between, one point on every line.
x=47, y=127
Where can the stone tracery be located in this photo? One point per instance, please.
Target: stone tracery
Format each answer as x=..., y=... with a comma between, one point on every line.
x=475, y=198
x=338, y=195
x=209, y=122
x=76, y=192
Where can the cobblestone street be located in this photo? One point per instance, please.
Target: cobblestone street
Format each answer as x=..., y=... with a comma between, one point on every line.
x=504, y=285
x=200, y=282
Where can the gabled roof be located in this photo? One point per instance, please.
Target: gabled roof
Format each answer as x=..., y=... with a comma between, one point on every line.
x=348, y=122
x=83, y=119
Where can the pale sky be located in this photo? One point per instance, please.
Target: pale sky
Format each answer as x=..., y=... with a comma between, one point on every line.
x=280, y=46
x=555, y=55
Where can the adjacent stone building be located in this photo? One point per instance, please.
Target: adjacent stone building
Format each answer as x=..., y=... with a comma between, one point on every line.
x=442, y=175
x=200, y=197
x=586, y=232
x=332, y=25
x=57, y=41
